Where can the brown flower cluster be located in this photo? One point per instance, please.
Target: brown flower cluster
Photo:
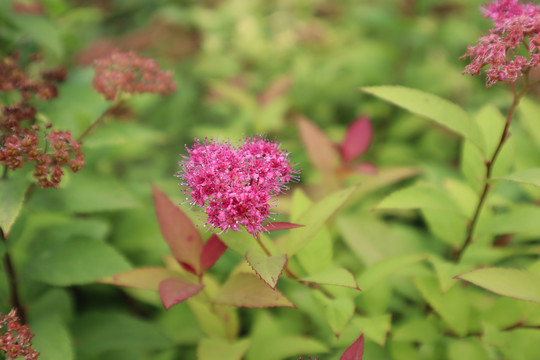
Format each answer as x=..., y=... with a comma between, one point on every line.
x=22, y=141
x=16, y=339
x=130, y=73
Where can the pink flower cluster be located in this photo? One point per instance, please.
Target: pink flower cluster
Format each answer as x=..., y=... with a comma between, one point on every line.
x=516, y=25
x=130, y=73
x=236, y=185
x=16, y=339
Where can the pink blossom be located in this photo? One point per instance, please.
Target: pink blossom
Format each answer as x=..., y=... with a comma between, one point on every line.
x=516, y=25
x=236, y=185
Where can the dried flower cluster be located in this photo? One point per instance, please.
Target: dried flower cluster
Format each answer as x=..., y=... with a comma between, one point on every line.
x=236, y=185
x=130, y=73
x=512, y=46
x=16, y=339
x=22, y=141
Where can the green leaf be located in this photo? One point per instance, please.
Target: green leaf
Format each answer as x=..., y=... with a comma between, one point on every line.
x=374, y=328
x=383, y=269
x=433, y=107
x=52, y=339
x=209, y=322
x=446, y=271
x=421, y=329
x=247, y=290
x=522, y=219
x=528, y=176
x=334, y=276
x=315, y=218
x=287, y=347
x=318, y=253
x=452, y=306
x=491, y=124
x=467, y=349
x=216, y=348
x=76, y=262
x=41, y=30
x=514, y=283
x=12, y=192
x=85, y=194
x=529, y=110
x=337, y=312
x=448, y=226
x=419, y=196
x=269, y=268
x=96, y=333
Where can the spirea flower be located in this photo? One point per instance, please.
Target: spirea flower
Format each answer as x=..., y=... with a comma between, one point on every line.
x=130, y=73
x=236, y=185
x=15, y=338
x=512, y=46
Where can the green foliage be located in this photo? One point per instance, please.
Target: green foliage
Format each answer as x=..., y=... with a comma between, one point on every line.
x=399, y=255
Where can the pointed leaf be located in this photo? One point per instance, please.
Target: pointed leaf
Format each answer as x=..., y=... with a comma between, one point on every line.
x=375, y=327
x=175, y=290
x=247, y=290
x=279, y=225
x=334, y=276
x=145, y=278
x=381, y=270
x=12, y=192
x=211, y=252
x=453, y=306
x=433, y=107
x=315, y=217
x=355, y=351
x=528, y=176
x=181, y=235
x=357, y=139
x=514, y=283
x=216, y=348
x=419, y=196
x=269, y=268
x=321, y=150
x=76, y=262
x=337, y=312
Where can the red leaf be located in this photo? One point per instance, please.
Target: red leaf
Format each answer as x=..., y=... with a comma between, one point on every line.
x=320, y=149
x=281, y=225
x=181, y=235
x=175, y=290
x=211, y=252
x=247, y=290
x=357, y=139
x=355, y=351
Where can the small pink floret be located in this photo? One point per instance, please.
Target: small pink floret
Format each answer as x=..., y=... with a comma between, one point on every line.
x=236, y=185
x=516, y=25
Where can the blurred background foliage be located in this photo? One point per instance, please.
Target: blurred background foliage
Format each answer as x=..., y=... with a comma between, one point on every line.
x=241, y=67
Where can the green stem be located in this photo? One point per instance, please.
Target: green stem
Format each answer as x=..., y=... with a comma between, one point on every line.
x=489, y=168
x=12, y=280
x=101, y=117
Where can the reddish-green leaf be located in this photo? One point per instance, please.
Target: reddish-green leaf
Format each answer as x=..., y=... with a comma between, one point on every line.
x=514, y=283
x=281, y=225
x=357, y=139
x=181, y=235
x=334, y=276
x=247, y=290
x=175, y=290
x=146, y=278
x=321, y=150
x=355, y=351
x=211, y=252
x=269, y=268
